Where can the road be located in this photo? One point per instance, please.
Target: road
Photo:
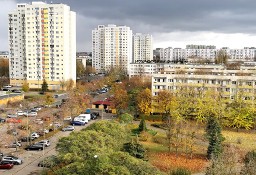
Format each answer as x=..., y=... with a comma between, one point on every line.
x=32, y=158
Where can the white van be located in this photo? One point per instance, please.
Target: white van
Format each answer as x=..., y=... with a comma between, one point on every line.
x=81, y=119
x=86, y=116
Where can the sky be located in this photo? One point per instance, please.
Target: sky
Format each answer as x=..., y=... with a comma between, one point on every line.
x=172, y=23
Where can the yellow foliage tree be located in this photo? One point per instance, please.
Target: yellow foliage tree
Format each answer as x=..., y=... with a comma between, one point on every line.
x=144, y=100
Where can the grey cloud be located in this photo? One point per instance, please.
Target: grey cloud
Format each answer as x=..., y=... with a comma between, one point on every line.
x=162, y=16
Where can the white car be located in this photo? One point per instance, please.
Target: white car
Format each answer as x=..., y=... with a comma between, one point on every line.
x=13, y=159
x=34, y=135
x=11, y=116
x=32, y=114
x=68, y=128
x=20, y=113
x=68, y=118
x=43, y=142
x=7, y=86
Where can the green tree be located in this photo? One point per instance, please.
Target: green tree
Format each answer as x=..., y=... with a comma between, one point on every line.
x=126, y=118
x=44, y=86
x=135, y=149
x=214, y=136
x=25, y=87
x=142, y=125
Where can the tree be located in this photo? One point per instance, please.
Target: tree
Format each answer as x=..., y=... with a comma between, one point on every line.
x=4, y=67
x=126, y=118
x=80, y=69
x=142, y=125
x=49, y=99
x=135, y=149
x=44, y=86
x=25, y=87
x=214, y=136
x=222, y=57
x=120, y=97
x=89, y=69
x=70, y=84
x=144, y=100
x=62, y=84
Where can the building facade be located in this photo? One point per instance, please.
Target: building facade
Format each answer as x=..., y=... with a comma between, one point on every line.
x=197, y=53
x=111, y=47
x=42, y=42
x=142, y=47
x=205, y=77
x=4, y=54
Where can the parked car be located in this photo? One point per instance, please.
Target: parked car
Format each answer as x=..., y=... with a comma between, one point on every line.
x=68, y=128
x=6, y=165
x=2, y=120
x=77, y=123
x=20, y=113
x=68, y=118
x=93, y=116
x=5, y=89
x=37, y=108
x=7, y=86
x=26, y=139
x=38, y=147
x=14, y=145
x=39, y=121
x=32, y=114
x=49, y=162
x=13, y=159
x=12, y=116
x=13, y=120
x=34, y=135
x=43, y=142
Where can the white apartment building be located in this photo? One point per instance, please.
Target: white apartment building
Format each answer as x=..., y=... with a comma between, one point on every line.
x=206, y=77
x=111, y=47
x=42, y=41
x=207, y=53
x=142, y=47
x=4, y=54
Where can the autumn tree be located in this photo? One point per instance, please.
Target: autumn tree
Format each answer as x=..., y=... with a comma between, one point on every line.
x=80, y=69
x=89, y=69
x=4, y=67
x=62, y=84
x=25, y=87
x=49, y=99
x=144, y=100
x=120, y=98
x=70, y=84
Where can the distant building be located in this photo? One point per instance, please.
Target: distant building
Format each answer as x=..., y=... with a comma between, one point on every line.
x=111, y=47
x=42, y=41
x=142, y=47
x=4, y=54
x=84, y=57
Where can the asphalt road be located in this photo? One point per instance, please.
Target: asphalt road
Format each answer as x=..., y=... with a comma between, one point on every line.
x=32, y=158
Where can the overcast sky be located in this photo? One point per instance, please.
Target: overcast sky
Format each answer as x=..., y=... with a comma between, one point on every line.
x=173, y=23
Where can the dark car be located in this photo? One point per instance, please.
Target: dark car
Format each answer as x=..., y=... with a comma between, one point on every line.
x=77, y=123
x=26, y=139
x=38, y=147
x=93, y=116
x=6, y=165
x=2, y=120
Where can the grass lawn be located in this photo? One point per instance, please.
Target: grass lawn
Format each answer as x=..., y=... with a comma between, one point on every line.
x=159, y=156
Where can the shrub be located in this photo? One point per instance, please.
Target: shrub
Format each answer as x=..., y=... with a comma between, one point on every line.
x=134, y=149
x=144, y=136
x=249, y=167
x=126, y=118
x=180, y=171
x=142, y=125
x=159, y=139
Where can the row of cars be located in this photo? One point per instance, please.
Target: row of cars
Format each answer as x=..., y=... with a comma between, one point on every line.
x=8, y=161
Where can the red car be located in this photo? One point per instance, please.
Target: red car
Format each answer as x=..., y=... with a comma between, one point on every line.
x=6, y=165
x=13, y=120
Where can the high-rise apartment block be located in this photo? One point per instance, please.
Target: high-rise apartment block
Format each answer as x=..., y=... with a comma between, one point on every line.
x=142, y=47
x=42, y=41
x=111, y=47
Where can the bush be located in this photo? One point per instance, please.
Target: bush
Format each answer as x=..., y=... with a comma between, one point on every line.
x=249, y=167
x=152, y=117
x=135, y=150
x=159, y=139
x=144, y=136
x=142, y=125
x=126, y=118
x=180, y=171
